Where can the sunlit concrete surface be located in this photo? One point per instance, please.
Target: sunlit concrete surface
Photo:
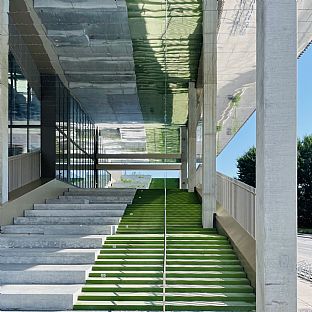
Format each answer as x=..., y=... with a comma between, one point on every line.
x=305, y=248
x=304, y=287
x=304, y=296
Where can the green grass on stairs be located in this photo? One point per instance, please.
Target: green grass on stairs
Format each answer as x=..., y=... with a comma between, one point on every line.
x=202, y=271
x=159, y=183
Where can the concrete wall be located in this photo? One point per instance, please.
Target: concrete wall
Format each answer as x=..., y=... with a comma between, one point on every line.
x=235, y=218
x=16, y=208
x=243, y=243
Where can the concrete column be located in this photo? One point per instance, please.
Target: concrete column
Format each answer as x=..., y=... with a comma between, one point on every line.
x=183, y=177
x=210, y=17
x=191, y=128
x=4, y=38
x=276, y=202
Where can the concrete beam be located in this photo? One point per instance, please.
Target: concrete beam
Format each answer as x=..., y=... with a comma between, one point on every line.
x=276, y=201
x=183, y=174
x=191, y=128
x=148, y=166
x=139, y=156
x=210, y=19
x=4, y=39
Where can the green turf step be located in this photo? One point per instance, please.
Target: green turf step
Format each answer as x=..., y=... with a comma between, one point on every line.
x=169, y=246
x=170, y=296
x=169, y=281
x=143, y=267
x=169, y=288
x=173, y=274
x=202, y=271
x=129, y=261
x=158, y=306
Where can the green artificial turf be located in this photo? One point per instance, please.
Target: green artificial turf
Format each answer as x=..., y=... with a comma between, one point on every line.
x=159, y=183
x=203, y=272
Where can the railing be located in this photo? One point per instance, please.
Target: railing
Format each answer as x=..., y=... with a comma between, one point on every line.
x=23, y=169
x=237, y=198
x=304, y=270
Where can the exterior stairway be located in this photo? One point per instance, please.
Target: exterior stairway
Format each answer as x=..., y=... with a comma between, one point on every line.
x=46, y=256
x=202, y=271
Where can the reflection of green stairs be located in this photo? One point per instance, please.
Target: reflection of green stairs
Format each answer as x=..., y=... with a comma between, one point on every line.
x=202, y=271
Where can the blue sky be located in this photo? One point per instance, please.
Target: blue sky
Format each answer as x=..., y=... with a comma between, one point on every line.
x=246, y=137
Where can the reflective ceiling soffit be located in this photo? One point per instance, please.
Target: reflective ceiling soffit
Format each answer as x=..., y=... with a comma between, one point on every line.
x=236, y=99
x=147, y=22
x=93, y=43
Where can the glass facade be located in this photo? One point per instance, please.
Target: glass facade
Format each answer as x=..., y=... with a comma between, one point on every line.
x=76, y=134
x=24, y=112
x=76, y=144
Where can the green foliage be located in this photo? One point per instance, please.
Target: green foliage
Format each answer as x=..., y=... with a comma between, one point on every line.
x=235, y=100
x=305, y=182
x=246, y=166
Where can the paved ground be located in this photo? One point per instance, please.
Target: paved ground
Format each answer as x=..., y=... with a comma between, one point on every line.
x=304, y=287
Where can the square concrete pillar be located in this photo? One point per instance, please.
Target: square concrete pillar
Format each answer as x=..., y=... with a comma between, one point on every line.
x=210, y=18
x=191, y=143
x=276, y=201
x=4, y=39
x=183, y=176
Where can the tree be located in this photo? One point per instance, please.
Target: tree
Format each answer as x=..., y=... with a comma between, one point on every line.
x=305, y=182
x=246, y=166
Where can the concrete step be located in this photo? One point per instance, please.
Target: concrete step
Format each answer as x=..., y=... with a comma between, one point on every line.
x=39, y=297
x=67, y=201
x=11, y=274
x=47, y=256
x=67, y=220
x=50, y=229
x=100, y=199
x=103, y=192
x=74, y=213
x=50, y=241
x=60, y=206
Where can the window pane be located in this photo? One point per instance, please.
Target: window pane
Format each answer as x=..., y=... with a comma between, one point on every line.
x=34, y=110
x=19, y=113
x=34, y=139
x=19, y=141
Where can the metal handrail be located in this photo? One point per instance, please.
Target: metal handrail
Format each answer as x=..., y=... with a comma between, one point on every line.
x=304, y=270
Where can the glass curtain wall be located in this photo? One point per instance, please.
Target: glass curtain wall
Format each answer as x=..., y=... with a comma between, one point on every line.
x=24, y=112
x=76, y=144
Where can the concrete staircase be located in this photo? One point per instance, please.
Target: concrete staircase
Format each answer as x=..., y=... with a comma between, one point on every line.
x=46, y=256
x=202, y=271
